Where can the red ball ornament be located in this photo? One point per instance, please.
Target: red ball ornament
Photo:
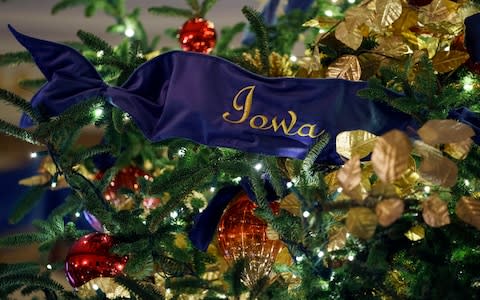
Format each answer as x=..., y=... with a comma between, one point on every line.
x=197, y=35
x=126, y=178
x=242, y=235
x=90, y=257
x=419, y=2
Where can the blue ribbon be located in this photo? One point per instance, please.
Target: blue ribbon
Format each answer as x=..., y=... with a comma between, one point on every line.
x=204, y=98
x=472, y=36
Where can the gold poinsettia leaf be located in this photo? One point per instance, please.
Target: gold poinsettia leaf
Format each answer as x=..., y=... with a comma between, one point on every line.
x=388, y=11
x=407, y=20
x=351, y=36
x=438, y=170
x=406, y=183
x=429, y=43
x=371, y=63
x=320, y=22
x=459, y=150
x=391, y=155
x=271, y=233
x=361, y=222
x=47, y=166
x=421, y=148
x=350, y=175
x=435, y=212
x=291, y=204
x=389, y=210
x=393, y=46
x=331, y=181
x=416, y=233
x=468, y=210
x=436, y=132
x=355, y=142
x=446, y=61
x=437, y=11
x=36, y=180
x=383, y=189
x=284, y=257
x=337, y=239
x=345, y=67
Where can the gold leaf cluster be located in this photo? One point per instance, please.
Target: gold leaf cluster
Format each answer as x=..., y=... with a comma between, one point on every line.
x=279, y=65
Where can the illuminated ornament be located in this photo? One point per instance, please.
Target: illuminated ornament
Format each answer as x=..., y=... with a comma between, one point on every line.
x=197, y=35
x=127, y=178
x=242, y=235
x=419, y=3
x=90, y=257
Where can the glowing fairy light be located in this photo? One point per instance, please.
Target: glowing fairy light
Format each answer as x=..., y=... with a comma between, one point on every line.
x=129, y=32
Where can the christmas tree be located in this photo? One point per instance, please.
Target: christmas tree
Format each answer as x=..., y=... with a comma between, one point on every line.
x=247, y=172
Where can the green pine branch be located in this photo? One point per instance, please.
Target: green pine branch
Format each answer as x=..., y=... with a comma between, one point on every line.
x=15, y=58
x=19, y=133
x=171, y=11
x=206, y=6
x=142, y=291
x=26, y=204
x=226, y=36
x=65, y=4
x=95, y=43
x=260, y=30
x=17, y=101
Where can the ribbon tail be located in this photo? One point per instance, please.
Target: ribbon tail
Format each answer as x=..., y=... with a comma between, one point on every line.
x=472, y=36
x=71, y=77
x=207, y=221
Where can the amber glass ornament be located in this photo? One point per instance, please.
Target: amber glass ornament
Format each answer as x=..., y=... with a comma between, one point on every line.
x=126, y=178
x=242, y=235
x=90, y=257
x=197, y=35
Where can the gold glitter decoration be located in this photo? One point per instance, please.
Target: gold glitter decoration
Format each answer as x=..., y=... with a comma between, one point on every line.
x=388, y=211
x=447, y=61
x=388, y=11
x=438, y=170
x=468, y=210
x=279, y=65
x=361, y=222
x=459, y=150
x=445, y=131
x=345, y=67
x=355, y=142
x=391, y=155
x=107, y=285
x=435, y=212
x=416, y=233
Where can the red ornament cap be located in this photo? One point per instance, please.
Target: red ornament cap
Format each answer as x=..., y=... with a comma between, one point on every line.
x=197, y=35
x=90, y=258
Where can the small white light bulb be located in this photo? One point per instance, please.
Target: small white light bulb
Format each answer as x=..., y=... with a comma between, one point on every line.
x=98, y=112
x=212, y=189
x=306, y=214
x=129, y=32
x=258, y=166
x=95, y=287
x=321, y=254
x=77, y=215
x=293, y=58
x=174, y=214
x=33, y=155
x=427, y=189
x=100, y=53
x=351, y=257
x=53, y=184
x=289, y=184
x=329, y=13
x=351, y=1
x=49, y=266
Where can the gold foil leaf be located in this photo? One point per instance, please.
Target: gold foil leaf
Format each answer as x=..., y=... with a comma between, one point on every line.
x=416, y=233
x=446, y=61
x=272, y=234
x=406, y=184
x=429, y=43
x=355, y=142
x=422, y=149
x=391, y=155
x=345, y=67
x=459, y=150
x=388, y=11
x=35, y=180
x=392, y=46
x=351, y=36
x=388, y=211
x=350, y=175
x=361, y=222
x=468, y=210
x=445, y=131
x=332, y=182
x=407, y=20
x=439, y=170
x=320, y=22
x=291, y=204
x=337, y=239
x=437, y=11
x=435, y=212
x=386, y=190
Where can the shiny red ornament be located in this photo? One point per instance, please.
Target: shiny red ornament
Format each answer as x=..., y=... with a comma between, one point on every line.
x=126, y=178
x=90, y=258
x=419, y=2
x=197, y=35
x=242, y=235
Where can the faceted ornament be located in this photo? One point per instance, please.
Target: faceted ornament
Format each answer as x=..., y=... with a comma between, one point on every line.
x=242, y=235
x=197, y=35
x=90, y=257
